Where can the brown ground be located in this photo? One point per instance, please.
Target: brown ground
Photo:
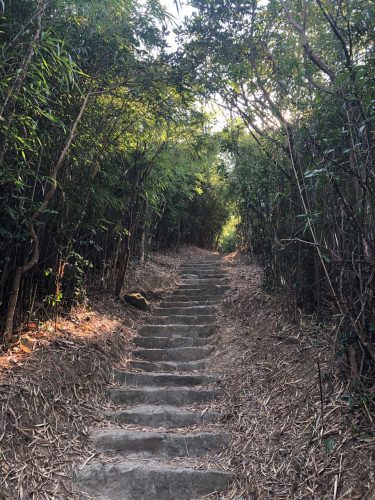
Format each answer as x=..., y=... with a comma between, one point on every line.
x=53, y=385
x=290, y=440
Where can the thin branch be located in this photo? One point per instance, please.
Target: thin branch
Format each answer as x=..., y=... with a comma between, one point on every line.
x=312, y=55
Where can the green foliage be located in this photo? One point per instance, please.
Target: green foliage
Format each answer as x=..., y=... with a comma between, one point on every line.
x=142, y=171
x=300, y=81
x=228, y=237
x=52, y=300
x=139, y=172
x=74, y=277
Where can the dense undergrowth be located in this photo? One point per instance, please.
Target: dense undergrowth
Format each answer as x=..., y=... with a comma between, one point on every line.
x=104, y=155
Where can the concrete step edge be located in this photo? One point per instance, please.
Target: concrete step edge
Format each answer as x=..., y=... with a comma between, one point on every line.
x=133, y=480
x=121, y=377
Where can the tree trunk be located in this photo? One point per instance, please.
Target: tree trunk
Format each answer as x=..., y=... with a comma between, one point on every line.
x=124, y=263
x=42, y=207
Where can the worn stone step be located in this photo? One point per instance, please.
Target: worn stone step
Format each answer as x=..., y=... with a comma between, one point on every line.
x=173, y=347
x=215, y=277
x=207, y=276
x=187, y=311
x=202, y=274
x=132, y=379
x=173, y=354
x=132, y=480
x=206, y=287
x=199, y=265
x=196, y=262
x=167, y=366
x=194, y=271
x=162, y=416
x=171, y=330
x=170, y=342
x=203, y=281
x=183, y=300
x=182, y=320
x=201, y=270
x=193, y=291
x=176, y=396
x=173, y=302
x=142, y=444
x=192, y=296
x=203, y=260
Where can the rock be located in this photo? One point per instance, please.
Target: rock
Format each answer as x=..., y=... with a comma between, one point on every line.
x=137, y=300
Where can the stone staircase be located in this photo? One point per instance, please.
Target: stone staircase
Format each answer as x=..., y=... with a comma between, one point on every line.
x=167, y=391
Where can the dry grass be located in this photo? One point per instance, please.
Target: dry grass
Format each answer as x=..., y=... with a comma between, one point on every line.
x=295, y=434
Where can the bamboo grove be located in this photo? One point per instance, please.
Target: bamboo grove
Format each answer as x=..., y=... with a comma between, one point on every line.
x=103, y=152
x=106, y=152
x=299, y=78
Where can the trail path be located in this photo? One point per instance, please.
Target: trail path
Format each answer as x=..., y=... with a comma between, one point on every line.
x=166, y=390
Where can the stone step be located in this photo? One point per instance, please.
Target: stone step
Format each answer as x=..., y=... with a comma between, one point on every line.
x=199, y=293
x=197, y=278
x=206, y=258
x=142, y=444
x=214, y=273
x=187, y=311
x=173, y=354
x=176, y=396
x=173, y=302
x=207, y=287
x=182, y=320
x=165, y=366
x=170, y=330
x=194, y=263
x=132, y=480
x=132, y=379
x=199, y=265
x=162, y=416
x=173, y=349
x=170, y=342
x=181, y=300
x=201, y=270
x=203, y=274
x=203, y=281
x=203, y=260
x=217, y=273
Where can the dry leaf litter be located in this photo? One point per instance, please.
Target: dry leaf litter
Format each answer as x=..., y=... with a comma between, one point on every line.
x=285, y=444
x=296, y=430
